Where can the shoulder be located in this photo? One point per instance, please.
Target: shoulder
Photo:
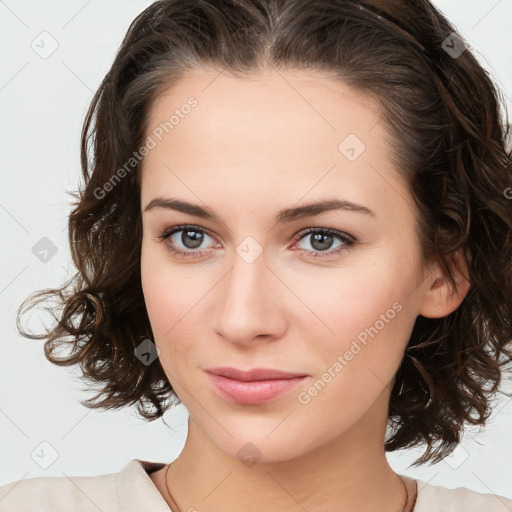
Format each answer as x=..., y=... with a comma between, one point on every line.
x=59, y=493
x=442, y=499
x=109, y=493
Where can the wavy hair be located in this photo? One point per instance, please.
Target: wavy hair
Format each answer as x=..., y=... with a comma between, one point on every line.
x=448, y=138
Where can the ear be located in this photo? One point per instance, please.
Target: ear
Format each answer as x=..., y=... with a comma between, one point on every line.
x=439, y=299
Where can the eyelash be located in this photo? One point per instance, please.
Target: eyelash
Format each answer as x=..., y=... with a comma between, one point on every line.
x=348, y=241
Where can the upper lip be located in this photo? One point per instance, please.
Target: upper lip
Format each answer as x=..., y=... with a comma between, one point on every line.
x=253, y=374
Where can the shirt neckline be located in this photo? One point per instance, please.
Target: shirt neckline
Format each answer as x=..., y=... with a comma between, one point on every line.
x=138, y=492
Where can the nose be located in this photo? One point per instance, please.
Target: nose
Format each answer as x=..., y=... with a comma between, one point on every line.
x=250, y=301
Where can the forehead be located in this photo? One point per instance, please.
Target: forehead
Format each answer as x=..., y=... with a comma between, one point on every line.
x=294, y=131
x=281, y=103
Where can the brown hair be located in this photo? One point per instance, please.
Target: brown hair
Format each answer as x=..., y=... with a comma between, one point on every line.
x=447, y=137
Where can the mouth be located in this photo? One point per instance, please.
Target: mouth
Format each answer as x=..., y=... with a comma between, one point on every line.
x=253, y=387
x=255, y=374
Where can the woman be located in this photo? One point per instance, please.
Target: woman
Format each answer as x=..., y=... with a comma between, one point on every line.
x=296, y=223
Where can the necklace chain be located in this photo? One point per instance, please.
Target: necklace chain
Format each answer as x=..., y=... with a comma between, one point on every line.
x=175, y=505
x=168, y=491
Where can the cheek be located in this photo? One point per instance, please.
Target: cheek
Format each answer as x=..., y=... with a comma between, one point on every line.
x=166, y=293
x=173, y=302
x=356, y=363
x=163, y=300
x=354, y=299
x=153, y=287
x=365, y=315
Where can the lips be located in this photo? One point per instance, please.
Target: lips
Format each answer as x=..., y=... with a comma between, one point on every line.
x=253, y=387
x=255, y=374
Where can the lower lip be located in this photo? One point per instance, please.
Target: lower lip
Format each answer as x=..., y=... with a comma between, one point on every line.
x=253, y=392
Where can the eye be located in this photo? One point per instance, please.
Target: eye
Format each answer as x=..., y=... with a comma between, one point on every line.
x=321, y=239
x=191, y=237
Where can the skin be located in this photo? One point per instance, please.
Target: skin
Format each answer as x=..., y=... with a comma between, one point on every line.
x=247, y=150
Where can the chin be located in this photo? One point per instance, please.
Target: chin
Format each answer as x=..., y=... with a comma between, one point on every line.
x=272, y=441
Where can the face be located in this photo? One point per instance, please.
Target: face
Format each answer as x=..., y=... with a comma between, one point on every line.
x=332, y=294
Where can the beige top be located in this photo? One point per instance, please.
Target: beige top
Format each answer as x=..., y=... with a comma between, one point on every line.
x=132, y=490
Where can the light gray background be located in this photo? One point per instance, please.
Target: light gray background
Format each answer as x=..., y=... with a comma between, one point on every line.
x=43, y=104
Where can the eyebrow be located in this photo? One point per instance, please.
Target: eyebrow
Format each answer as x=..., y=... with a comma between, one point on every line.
x=283, y=216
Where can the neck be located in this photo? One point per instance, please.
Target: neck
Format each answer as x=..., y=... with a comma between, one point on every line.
x=348, y=473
